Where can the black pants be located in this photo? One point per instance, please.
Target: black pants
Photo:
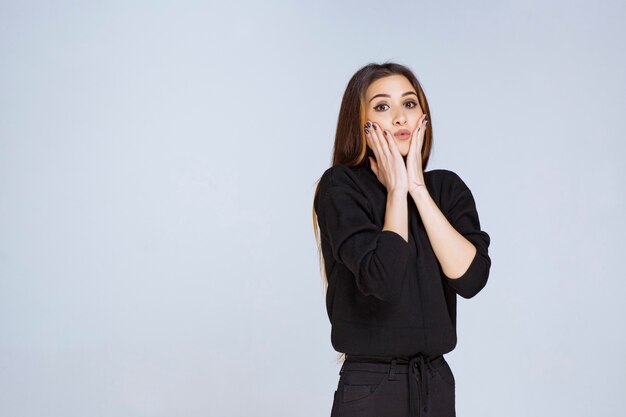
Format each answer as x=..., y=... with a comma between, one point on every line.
x=370, y=386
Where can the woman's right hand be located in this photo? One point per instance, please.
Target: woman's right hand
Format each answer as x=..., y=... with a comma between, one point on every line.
x=388, y=166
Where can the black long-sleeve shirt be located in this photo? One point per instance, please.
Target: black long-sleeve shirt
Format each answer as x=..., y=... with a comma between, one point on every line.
x=387, y=296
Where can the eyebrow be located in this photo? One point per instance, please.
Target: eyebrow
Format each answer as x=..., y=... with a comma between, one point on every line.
x=387, y=95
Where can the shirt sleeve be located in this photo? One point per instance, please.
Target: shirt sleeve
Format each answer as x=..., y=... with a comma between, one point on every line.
x=377, y=258
x=463, y=217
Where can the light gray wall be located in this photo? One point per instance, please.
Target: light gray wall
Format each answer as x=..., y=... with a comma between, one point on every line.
x=157, y=168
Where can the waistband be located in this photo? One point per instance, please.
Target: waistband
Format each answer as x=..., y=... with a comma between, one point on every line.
x=417, y=365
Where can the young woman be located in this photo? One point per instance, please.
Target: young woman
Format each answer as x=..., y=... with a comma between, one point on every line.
x=398, y=244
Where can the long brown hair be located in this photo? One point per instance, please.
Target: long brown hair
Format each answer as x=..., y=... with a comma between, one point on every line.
x=350, y=146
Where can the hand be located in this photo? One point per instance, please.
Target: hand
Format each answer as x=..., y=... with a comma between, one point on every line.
x=415, y=173
x=388, y=166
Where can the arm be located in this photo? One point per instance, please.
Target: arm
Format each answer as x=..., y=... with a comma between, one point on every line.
x=396, y=214
x=459, y=244
x=453, y=251
x=376, y=257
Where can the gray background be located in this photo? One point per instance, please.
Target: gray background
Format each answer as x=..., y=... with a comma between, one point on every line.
x=157, y=168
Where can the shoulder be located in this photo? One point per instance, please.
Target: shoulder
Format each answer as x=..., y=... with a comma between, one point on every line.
x=341, y=182
x=339, y=175
x=445, y=181
x=447, y=188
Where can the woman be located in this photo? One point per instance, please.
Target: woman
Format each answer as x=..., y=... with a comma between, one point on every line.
x=398, y=244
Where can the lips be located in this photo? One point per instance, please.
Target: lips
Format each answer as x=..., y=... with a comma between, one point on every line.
x=402, y=134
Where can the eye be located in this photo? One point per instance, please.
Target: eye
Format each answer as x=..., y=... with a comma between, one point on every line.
x=409, y=104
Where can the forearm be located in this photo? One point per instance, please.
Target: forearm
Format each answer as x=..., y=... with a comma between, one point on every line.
x=396, y=214
x=453, y=250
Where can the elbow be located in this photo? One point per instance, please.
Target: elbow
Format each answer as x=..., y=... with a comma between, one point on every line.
x=391, y=294
x=470, y=291
x=383, y=281
x=474, y=279
x=382, y=270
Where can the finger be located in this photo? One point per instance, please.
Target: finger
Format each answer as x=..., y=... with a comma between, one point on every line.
x=392, y=143
x=378, y=147
x=393, y=147
x=422, y=133
x=371, y=140
x=423, y=124
x=411, y=148
x=372, y=143
x=420, y=124
x=382, y=140
x=418, y=133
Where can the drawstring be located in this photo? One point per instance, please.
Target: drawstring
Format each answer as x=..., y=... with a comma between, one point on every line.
x=418, y=365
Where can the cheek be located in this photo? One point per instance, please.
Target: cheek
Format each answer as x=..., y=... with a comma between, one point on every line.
x=380, y=120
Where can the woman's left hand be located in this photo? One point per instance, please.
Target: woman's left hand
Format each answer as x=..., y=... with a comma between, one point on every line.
x=415, y=174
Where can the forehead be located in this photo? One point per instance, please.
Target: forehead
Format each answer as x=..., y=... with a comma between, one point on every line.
x=392, y=85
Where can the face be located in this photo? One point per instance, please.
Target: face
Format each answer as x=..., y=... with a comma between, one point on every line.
x=391, y=102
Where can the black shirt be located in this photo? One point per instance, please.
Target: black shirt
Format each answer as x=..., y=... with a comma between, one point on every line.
x=387, y=296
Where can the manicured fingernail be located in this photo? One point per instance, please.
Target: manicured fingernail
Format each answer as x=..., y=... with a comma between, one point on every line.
x=369, y=124
x=375, y=128
x=367, y=130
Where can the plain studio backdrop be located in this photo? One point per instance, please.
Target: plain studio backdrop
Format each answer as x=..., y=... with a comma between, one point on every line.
x=157, y=168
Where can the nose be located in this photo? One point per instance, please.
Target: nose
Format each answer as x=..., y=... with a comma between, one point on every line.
x=399, y=119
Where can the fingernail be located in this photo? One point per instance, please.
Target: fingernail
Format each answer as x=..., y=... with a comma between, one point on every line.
x=375, y=128
x=367, y=130
x=369, y=124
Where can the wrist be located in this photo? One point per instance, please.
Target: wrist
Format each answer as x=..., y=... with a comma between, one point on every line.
x=397, y=193
x=419, y=193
